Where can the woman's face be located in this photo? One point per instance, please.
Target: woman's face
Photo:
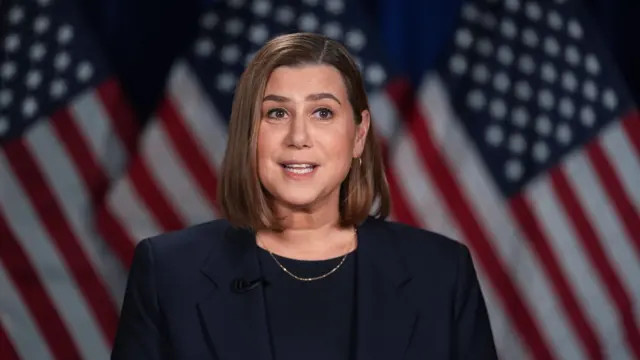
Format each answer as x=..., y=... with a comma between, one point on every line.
x=307, y=136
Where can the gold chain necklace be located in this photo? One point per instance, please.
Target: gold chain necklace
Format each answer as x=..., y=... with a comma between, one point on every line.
x=344, y=257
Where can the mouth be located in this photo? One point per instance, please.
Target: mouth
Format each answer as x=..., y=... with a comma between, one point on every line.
x=299, y=168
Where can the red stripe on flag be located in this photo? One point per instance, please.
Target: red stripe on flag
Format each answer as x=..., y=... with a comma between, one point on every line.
x=52, y=217
x=475, y=234
x=7, y=352
x=26, y=280
x=582, y=226
x=398, y=90
x=114, y=234
x=91, y=173
x=533, y=232
x=187, y=147
x=399, y=207
x=608, y=178
x=120, y=113
x=155, y=200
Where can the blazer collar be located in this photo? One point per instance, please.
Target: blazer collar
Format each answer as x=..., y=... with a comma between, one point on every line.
x=236, y=324
x=385, y=317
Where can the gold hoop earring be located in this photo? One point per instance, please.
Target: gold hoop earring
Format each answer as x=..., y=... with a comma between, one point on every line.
x=360, y=162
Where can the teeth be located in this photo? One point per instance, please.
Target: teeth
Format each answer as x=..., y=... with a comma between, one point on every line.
x=299, y=166
x=302, y=170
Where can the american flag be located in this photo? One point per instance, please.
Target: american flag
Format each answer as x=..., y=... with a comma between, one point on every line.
x=65, y=135
x=531, y=144
x=521, y=144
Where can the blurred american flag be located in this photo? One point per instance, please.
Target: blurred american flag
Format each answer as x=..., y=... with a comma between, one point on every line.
x=532, y=142
x=66, y=133
x=522, y=144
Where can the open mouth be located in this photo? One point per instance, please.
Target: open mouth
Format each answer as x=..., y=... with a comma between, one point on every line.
x=299, y=169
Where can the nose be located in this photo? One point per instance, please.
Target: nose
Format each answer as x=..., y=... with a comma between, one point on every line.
x=298, y=135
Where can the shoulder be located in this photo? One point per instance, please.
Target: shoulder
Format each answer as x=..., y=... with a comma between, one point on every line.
x=417, y=242
x=425, y=252
x=192, y=244
x=170, y=263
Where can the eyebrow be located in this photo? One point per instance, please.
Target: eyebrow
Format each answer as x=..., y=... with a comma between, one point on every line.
x=312, y=97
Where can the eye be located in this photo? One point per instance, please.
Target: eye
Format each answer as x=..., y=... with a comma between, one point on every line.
x=276, y=113
x=324, y=113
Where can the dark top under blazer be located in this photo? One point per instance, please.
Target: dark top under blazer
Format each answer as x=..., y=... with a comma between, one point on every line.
x=417, y=297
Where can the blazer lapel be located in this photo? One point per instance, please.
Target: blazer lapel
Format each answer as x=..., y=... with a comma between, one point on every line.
x=385, y=320
x=235, y=323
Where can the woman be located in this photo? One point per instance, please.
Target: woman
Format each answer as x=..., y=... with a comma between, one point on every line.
x=299, y=269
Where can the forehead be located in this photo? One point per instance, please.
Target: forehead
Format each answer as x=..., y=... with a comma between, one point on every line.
x=302, y=80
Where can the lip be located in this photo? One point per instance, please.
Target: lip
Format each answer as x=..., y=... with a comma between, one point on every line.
x=296, y=162
x=300, y=173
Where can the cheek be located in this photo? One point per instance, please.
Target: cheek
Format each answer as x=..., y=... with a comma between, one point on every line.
x=267, y=145
x=339, y=149
x=339, y=142
x=267, y=141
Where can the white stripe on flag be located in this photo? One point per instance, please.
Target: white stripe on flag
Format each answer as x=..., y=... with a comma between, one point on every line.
x=125, y=205
x=523, y=266
x=582, y=276
x=424, y=199
x=89, y=114
x=18, y=322
x=200, y=116
x=602, y=216
x=58, y=282
x=621, y=155
x=384, y=115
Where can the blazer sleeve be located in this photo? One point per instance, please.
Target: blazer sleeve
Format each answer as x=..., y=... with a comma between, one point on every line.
x=473, y=336
x=139, y=334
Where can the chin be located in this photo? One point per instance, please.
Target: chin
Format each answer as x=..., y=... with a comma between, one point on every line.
x=297, y=198
x=302, y=193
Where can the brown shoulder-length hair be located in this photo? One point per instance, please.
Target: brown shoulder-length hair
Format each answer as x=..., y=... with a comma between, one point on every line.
x=242, y=198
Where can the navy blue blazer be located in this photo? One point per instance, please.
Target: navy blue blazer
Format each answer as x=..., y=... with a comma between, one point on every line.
x=417, y=297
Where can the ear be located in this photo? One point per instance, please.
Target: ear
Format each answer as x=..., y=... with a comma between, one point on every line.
x=361, y=133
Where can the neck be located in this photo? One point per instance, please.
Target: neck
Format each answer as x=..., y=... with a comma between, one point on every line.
x=309, y=235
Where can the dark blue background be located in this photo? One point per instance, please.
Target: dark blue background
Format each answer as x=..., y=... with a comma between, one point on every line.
x=143, y=37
